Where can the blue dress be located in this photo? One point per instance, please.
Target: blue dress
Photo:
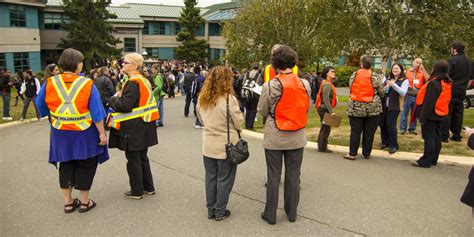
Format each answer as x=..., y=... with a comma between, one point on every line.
x=75, y=145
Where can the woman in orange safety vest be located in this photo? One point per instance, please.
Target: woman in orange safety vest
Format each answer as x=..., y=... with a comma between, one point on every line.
x=133, y=127
x=78, y=138
x=325, y=103
x=284, y=102
x=434, y=98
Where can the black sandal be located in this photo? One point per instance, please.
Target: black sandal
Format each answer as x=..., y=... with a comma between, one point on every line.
x=75, y=204
x=87, y=206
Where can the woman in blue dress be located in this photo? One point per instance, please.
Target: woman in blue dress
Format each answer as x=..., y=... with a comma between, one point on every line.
x=78, y=139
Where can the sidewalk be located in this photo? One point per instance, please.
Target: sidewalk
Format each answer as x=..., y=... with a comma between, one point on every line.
x=400, y=155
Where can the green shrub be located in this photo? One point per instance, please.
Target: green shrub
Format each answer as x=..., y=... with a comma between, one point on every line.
x=344, y=73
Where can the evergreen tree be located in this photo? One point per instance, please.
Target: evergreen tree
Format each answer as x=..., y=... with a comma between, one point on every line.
x=89, y=31
x=190, y=21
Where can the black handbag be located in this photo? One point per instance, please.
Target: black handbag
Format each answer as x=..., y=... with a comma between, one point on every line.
x=239, y=152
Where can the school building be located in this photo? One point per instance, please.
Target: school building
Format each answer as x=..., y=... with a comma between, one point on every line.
x=30, y=30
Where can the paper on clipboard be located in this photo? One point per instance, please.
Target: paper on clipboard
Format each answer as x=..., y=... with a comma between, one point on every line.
x=331, y=120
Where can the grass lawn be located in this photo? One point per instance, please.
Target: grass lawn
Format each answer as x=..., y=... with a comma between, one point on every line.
x=15, y=111
x=407, y=142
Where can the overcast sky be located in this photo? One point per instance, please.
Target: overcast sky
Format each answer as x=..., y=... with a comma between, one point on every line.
x=201, y=3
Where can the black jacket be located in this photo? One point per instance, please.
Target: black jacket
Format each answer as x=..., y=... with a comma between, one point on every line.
x=134, y=134
x=468, y=195
x=188, y=81
x=427, y=110
x=4, y=79
x=105, y=87
x=460, y=73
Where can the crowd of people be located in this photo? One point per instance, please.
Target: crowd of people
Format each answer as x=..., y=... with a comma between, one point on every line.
x=127, y=98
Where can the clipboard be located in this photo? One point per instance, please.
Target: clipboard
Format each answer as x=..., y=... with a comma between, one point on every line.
x=331, y=120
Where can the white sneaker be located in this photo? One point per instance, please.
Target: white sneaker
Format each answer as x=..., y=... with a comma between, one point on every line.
x=197, y=126
x=7, y=118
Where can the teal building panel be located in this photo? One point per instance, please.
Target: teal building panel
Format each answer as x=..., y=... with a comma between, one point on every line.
x=35, y=61
x=4, y=15
x=9, y=58
x=32, y=18
x=166, y=53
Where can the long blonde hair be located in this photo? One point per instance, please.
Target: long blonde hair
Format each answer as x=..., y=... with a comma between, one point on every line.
x=218, y=83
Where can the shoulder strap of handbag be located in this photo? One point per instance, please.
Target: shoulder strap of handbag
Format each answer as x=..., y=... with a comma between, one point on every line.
x=228, y=122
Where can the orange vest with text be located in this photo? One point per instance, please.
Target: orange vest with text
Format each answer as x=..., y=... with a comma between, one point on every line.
x=442, y=103
x=419, y=76
x=269, y=73
x=362, y=89
x=67, y=97
x=291, y=110
x=147, y=108
x=320, y=92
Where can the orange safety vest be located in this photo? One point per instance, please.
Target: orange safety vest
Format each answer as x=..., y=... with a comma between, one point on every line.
x=334, y=97
x=67, y=97
x=419, y=75
x=147, y=108
x=291, y=110
x=442, y=103
x=269, y=72
x=362, y=89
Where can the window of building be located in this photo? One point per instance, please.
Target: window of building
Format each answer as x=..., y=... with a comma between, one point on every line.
x=214, y=29
x=177, y=28
x=52, y=20
x=17, y=16
x=21, y=61
x=201, y=30
x=3, y=61
x=129, y=45
x=152, y=52
x=146, y=28
x=160, y=28
x=216, y=54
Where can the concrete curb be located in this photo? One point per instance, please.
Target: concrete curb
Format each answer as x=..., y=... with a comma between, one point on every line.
x=18, y=122
x=443, y=159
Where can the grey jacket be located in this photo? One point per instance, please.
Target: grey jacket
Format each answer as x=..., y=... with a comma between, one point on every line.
x=273, y=138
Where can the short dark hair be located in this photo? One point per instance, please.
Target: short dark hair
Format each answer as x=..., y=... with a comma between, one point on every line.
x=197, y=69
x=284, y=57
x=255, y=66
x=366, y=62
x=440, y=70
x=325, y=71
x=459, y=46
x=69, y=59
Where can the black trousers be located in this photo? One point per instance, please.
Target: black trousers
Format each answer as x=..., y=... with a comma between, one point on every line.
x=454, y=121
x=324, y=132
x=388, y=129
x=250, y=112
x=365, y=126
x=77, y=174
x=220, y=178
x=26, y=104
x=188, y=100
x=139, y=172
x=293, y=160
x=431, y=133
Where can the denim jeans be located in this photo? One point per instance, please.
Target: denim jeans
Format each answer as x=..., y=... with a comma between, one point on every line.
x=159, y=103
x=6, y=104
x=407, y=106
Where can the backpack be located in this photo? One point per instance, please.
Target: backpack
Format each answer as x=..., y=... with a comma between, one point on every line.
x=165, y=87
x=315, y=85
x=171, y=82
x=246, y=93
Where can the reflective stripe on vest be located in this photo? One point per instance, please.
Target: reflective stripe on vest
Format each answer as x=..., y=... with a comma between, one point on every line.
x=334, y=95
x=442, y=103
x=362, y=89
x=291, y=109
x=67, y=113
x=269, y=72
x=148, y=112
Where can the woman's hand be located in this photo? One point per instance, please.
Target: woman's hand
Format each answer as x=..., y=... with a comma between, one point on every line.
x=103, y=139
x=390, y=82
